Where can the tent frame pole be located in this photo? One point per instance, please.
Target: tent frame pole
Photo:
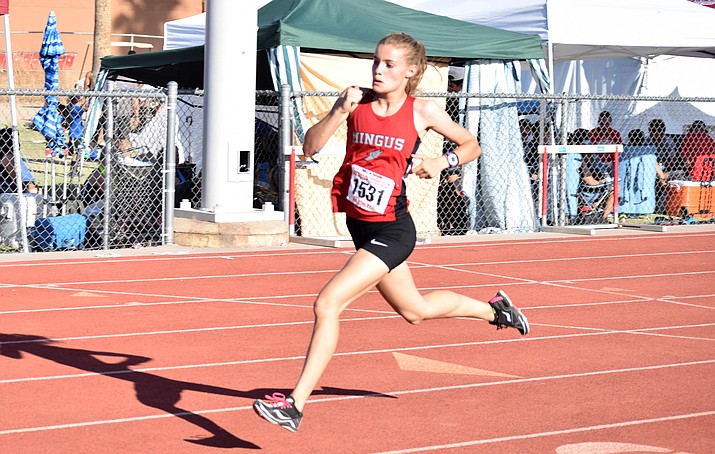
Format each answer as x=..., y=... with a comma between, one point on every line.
x=22, y=203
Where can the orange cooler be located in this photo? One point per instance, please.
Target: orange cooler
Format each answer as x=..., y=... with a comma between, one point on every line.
x=691, y=198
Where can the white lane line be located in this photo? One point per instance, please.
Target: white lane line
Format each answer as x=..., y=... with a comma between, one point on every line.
x=446, y=265
x=200, y=256
x=393, y=393
x=593, y=332
x=542, y=241
x=588, y=257
x=297, y=358
x=552, y=433
x=240, y=255
x=391, y=315
x=172, y=278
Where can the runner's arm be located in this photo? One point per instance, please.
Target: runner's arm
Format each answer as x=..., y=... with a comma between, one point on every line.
x=318, y=135
x=429, y=115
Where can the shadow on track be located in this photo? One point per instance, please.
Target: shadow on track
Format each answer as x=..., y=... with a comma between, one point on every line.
x=151, y=390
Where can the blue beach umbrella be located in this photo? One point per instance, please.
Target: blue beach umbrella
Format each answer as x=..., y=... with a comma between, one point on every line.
x=48, y=120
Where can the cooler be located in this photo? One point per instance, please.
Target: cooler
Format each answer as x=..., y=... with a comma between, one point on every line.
x=59, y=232
x=690, y=198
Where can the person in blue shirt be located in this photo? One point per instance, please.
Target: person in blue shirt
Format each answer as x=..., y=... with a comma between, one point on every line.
x=76, y=125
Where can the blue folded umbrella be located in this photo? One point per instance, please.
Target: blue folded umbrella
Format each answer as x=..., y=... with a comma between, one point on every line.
x=48, y=119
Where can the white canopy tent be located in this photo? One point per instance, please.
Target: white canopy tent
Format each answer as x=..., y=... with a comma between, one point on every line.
x=186, y=32
x=189, y=31
x=608, y=47
x=583, y=30
x=614, y=30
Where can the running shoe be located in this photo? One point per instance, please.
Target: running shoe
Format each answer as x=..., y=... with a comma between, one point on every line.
x=506, y=314
x=279, y=409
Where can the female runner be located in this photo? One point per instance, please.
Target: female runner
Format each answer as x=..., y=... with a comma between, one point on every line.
x=385, y=124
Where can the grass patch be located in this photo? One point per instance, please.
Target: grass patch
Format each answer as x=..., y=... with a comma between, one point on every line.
x=32, y=146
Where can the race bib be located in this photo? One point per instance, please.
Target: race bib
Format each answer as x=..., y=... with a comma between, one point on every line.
x=369, y=190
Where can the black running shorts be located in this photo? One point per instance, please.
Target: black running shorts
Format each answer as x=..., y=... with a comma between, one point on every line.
x=392, y=241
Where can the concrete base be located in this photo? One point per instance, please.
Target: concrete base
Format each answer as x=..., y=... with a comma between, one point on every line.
x=194, y=228
x=586, y=229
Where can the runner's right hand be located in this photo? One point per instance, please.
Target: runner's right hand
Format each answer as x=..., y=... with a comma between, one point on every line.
x=350, y=98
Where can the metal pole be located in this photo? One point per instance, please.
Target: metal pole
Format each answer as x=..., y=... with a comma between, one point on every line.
x=22, y=203
x=562, y=190
x=615, y=185
x=552, y=81
x=543, y=188
x=108, y=136
x=291, y=197
x=284, y=135
x=170, y=161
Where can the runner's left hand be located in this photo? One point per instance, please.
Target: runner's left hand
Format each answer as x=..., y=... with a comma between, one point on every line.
x=428, y=166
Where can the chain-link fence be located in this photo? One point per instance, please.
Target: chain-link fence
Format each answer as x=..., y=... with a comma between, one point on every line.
x=665, y=174
x=88, y=179
x=108, y=188
x=105, y=186
x=268, y=161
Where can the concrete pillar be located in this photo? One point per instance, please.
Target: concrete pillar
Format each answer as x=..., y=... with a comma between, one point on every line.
x=226, y=217
x=229, y=106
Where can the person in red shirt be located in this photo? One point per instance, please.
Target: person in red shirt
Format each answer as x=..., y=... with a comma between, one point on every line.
x=604, y=133
x=697, y=143
x=385, y=124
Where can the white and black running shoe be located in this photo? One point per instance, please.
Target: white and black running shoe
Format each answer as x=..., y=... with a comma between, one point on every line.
x=506, y=314
x=279, y=409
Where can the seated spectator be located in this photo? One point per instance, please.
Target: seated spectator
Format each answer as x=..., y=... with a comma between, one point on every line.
x=76, y=125
x=636, y=138
x=578, y=137
x=642, y=180
x=455, y=80
x=697, y=142
x=8, y=182
x=667, y=156
x=593, y=174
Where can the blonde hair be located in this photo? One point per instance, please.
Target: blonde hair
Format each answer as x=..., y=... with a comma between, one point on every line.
x=416, y=55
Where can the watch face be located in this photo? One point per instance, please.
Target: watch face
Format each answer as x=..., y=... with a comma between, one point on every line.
x=452, y=159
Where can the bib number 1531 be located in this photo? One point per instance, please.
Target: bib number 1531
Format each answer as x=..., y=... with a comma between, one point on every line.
x=369, y=190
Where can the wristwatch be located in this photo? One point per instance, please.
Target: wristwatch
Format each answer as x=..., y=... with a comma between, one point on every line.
x=452, y=159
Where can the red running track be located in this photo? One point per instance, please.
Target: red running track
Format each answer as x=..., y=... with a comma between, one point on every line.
x=165, y=353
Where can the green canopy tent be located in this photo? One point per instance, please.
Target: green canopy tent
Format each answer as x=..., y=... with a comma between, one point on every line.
x=183, y=66
x=334, y=26
x=357, y=25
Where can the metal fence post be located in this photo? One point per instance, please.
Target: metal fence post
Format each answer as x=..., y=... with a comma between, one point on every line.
x=284, y=135
x=562, y=162
x=170, y=164
x=22, y=203
x=108, y=139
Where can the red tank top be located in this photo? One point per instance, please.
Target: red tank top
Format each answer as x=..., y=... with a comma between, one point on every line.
x=370, y=184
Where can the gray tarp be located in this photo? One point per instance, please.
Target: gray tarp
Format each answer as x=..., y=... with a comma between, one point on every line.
x=504, y=201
